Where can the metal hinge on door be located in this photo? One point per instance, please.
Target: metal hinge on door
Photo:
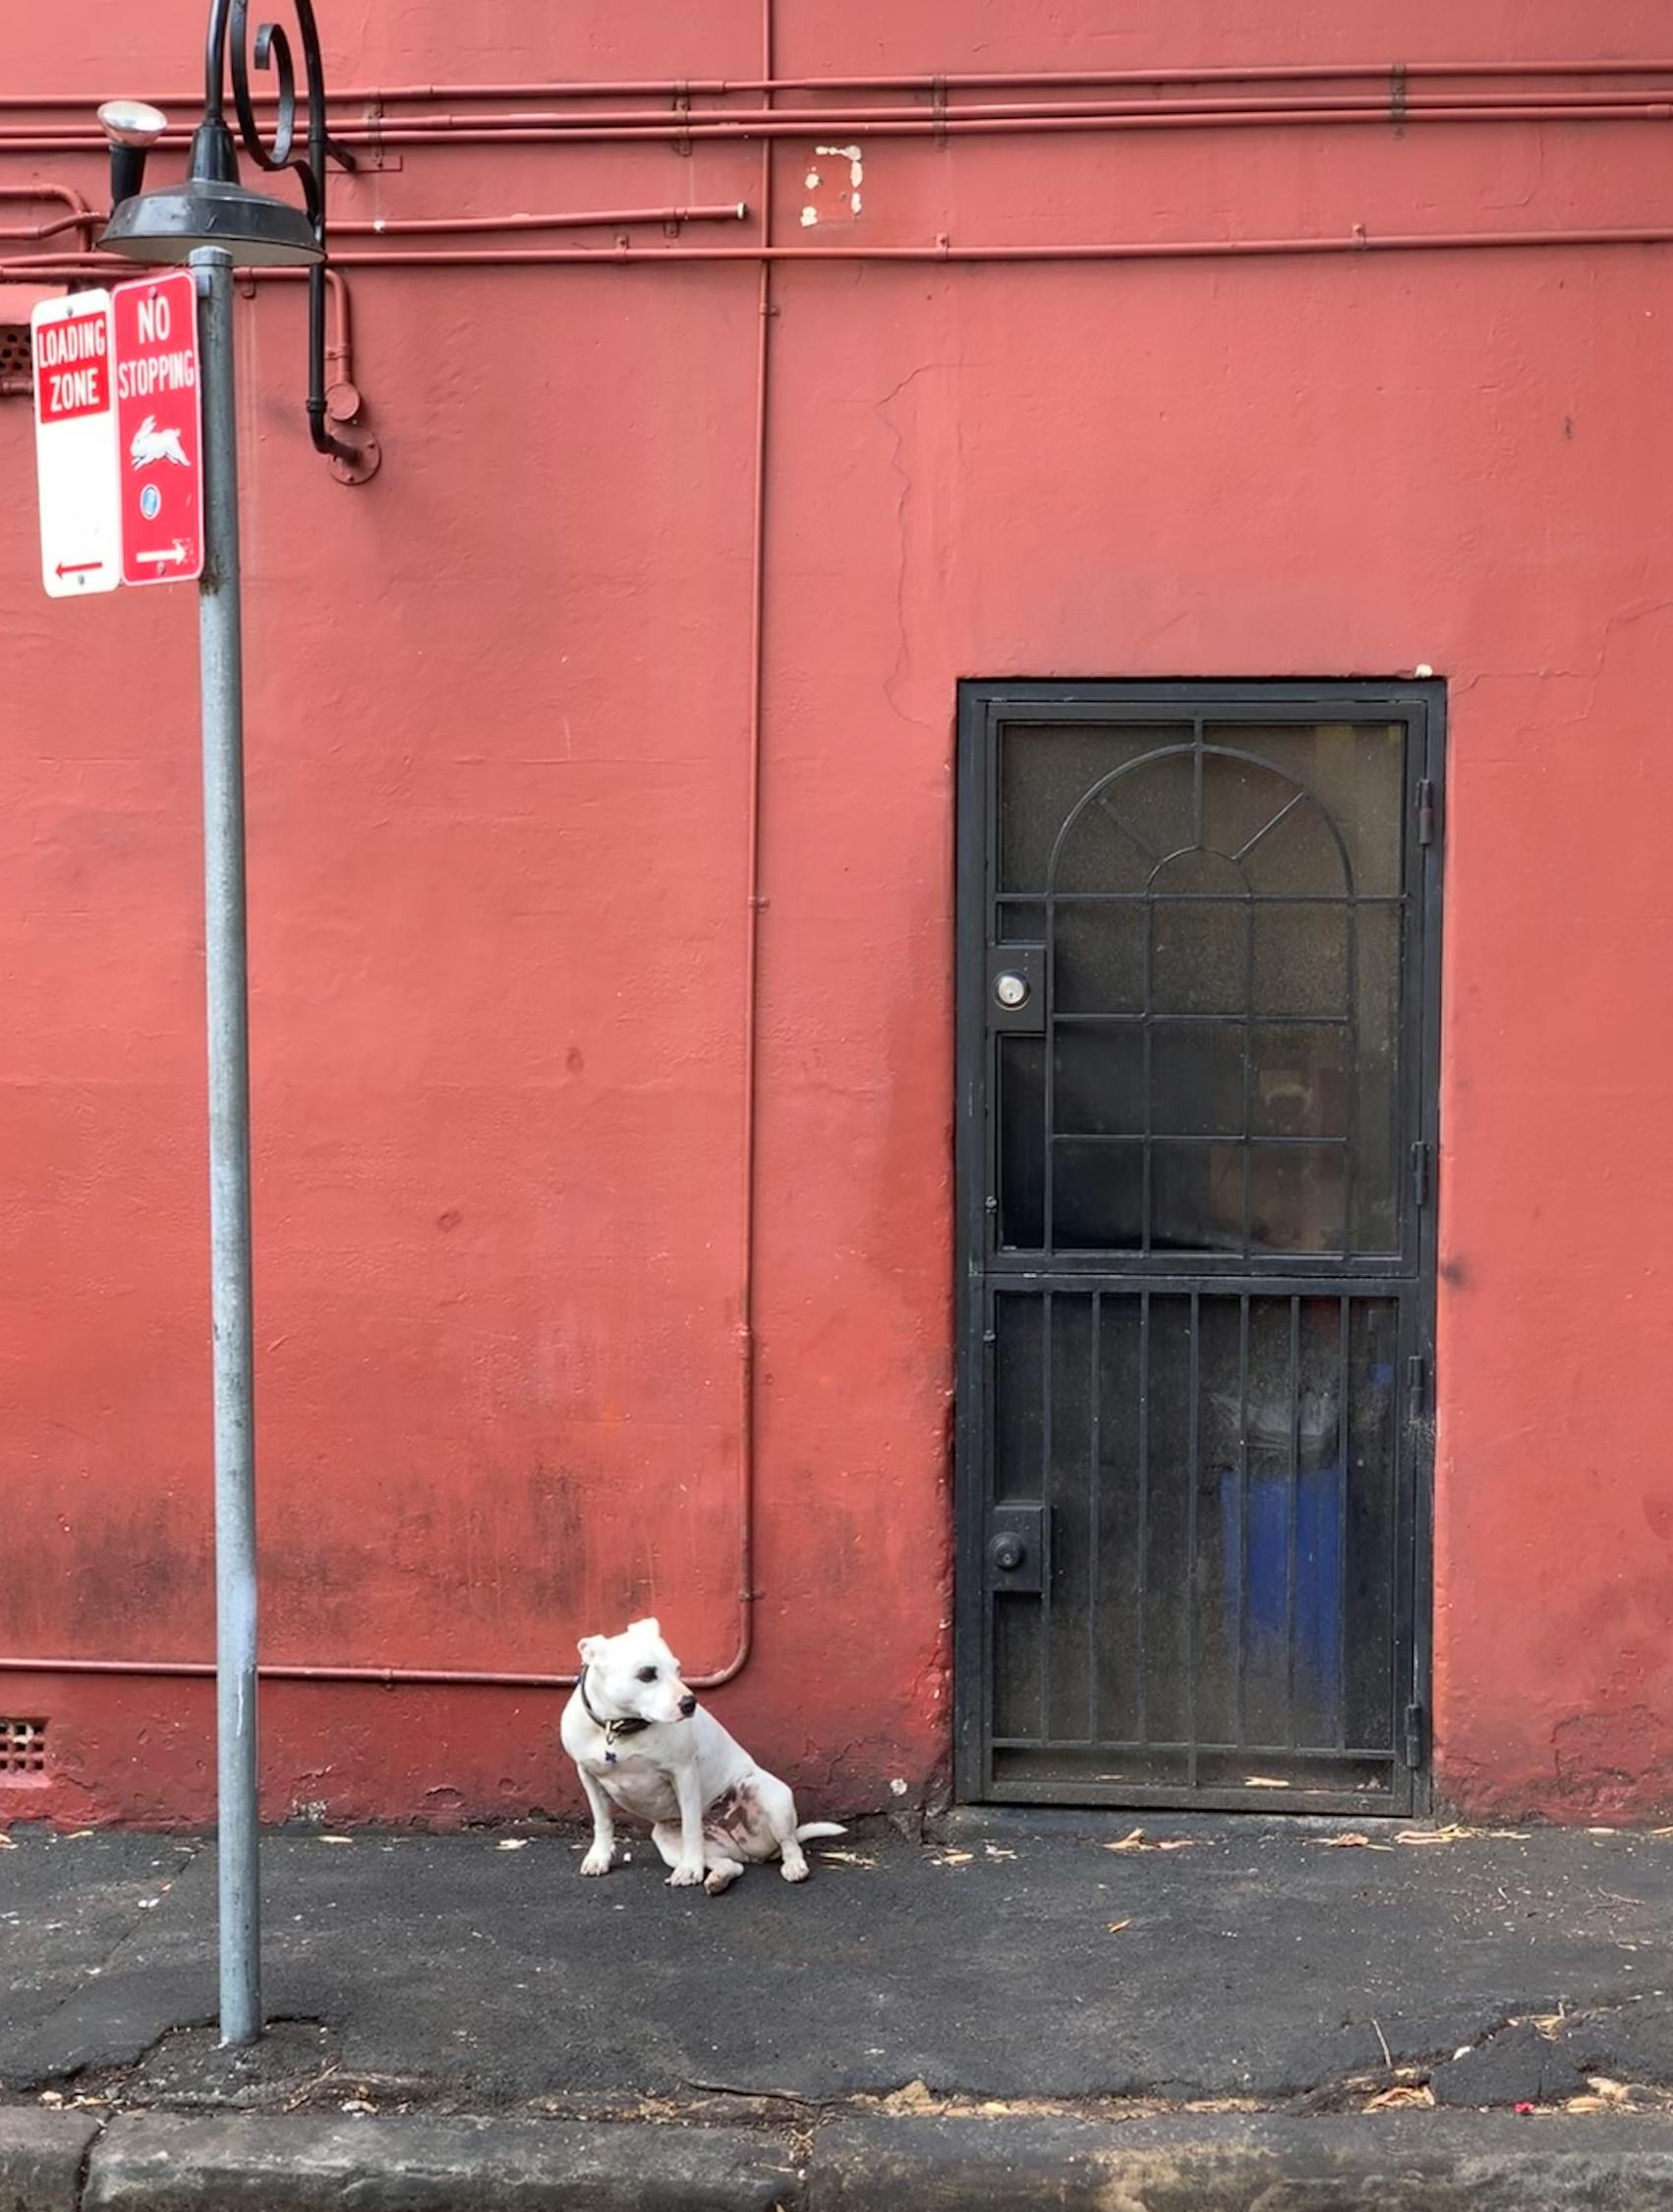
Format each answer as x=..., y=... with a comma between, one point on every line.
x=1419, y=1176
x=1411, y=1737
x=1427, y=811
x=1417, y=1381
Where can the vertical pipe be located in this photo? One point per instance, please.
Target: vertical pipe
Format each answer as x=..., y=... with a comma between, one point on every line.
x=221, y=649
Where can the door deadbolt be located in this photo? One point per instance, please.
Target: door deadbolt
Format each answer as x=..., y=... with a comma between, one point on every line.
x=1011, y=989
x=1016, y=1549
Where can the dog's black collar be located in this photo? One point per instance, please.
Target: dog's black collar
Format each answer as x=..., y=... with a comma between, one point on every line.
x=634, y=1726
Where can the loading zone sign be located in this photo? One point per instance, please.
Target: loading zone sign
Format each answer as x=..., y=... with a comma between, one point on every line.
x=75, y=445
x=119, y=446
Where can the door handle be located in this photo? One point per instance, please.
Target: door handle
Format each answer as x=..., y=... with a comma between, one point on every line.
x=1016, y=1549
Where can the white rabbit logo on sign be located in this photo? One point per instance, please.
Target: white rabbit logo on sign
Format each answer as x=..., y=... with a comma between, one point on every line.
x=153, y=445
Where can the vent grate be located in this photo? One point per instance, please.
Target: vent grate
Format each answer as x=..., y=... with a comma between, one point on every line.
x=22, y=1747
x=17, y=358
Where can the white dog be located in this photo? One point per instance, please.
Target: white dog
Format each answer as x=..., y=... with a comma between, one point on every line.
x=640, y=1740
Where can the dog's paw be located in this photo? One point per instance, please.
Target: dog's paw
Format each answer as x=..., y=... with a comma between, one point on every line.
x=686, y=1878
x=794, y=1870
x=599, y=1861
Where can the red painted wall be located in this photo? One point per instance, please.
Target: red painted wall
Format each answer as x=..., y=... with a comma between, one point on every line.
x=498, y=737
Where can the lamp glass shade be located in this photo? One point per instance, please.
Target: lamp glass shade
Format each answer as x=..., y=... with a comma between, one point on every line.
x=169, y=226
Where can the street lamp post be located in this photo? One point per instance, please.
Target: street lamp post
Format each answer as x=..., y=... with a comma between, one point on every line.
x=215, y=225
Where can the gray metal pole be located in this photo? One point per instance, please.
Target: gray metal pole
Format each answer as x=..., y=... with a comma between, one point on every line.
x=222, y=654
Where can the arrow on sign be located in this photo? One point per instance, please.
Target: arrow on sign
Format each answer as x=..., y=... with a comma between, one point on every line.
x=76, y=568
x=165, y=556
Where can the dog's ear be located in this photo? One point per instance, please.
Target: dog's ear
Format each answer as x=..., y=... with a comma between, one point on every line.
x=645, y=1627
x=590, y=1646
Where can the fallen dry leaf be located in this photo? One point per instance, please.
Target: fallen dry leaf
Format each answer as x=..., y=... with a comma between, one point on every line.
x=5, y=1842
x=1264, y=1781
x=912, y=2096
x=357, y=2104
x=1134, y=1842
x=76, y=1834
x=848, y=1858
x=1456, y=1832
x=512, y=1843
x=1403, y=2097
x=51, y=2097
x=1116, y=1926
x=954, y=1859
x=1608, y=2092
x=994, y=1851
x=1588, y=2103
x=1140, y=1841
x=333, y=1839
x=1352, y=1842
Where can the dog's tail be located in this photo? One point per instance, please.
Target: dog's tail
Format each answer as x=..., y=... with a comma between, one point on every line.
x=810, y=1829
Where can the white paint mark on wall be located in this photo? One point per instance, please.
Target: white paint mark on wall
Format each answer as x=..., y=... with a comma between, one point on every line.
x=813, y=180
x=809, y=215
x=853, y=156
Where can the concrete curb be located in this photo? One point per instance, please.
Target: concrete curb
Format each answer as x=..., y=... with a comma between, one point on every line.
x=1406, y=2162
x=42, y=2155
x=1410, y=2162
x=161, y=2162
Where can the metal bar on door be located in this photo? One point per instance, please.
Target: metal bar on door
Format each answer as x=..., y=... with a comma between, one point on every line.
x=1094, y=1545
x=1194, y=1364
x=1243, y=1508
x=1143, y=1513
x=1048, y=1335
x=1292, y=1530
x=1342, y=1354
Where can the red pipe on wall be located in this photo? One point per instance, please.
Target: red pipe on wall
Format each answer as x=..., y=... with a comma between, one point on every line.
x=1393, y=104
x=753, y=903
x=952, y=123
x=599, y=219
x=717, y=88
x=80, y=217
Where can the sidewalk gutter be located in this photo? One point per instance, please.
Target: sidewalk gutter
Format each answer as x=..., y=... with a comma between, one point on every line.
x=1397, y=2162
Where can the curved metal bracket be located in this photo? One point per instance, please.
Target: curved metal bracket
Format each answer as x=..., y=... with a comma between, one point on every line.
x=353, y=460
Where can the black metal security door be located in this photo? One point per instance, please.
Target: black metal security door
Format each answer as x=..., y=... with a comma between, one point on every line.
x=1198, y=937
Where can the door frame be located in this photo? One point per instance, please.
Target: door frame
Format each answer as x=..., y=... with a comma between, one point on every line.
x=983, y=706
